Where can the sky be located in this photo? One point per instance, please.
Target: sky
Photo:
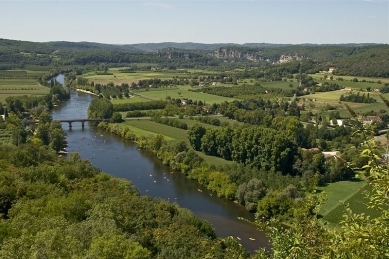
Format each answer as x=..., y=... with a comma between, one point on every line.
x=211, y=21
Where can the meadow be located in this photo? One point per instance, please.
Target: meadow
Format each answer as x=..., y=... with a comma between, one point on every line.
x=343, y=194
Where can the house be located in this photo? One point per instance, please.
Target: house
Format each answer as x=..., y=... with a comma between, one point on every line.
x=329, y=154
x=331, y=70
x=370, y=119
x=338, y=122
x=332, y=155
x=184, y=101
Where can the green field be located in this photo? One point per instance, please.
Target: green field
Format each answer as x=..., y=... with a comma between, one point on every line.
x=119, y=78
x=179, y=92
x=183, y=92
x=147, y=128
x=343, y=193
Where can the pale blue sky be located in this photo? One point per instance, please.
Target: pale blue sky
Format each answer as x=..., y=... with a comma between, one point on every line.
x=212, y=21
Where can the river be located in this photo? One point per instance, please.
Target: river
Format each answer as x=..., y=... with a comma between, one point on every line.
x=123, y=159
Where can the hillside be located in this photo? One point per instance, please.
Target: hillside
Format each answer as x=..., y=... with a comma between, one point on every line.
x=348, y=59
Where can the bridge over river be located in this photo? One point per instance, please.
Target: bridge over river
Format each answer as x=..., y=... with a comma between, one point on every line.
x=70, y=121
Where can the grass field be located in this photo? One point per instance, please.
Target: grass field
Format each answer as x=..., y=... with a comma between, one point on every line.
x=178, y=92
x=147, y=128
x=183, y=92
x=343, y=193
x=118, y=77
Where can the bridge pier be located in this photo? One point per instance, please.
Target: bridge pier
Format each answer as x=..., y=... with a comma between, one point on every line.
x=70, y=125
x=82, y=123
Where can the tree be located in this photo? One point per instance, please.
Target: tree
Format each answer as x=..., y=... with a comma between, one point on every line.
x=45, y=117
x=117, y=117
x=195, y=133
x=19, y=136
x=100, y=109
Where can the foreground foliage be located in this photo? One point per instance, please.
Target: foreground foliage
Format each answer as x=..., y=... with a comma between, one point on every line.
x=358, y=235
x=66, y=208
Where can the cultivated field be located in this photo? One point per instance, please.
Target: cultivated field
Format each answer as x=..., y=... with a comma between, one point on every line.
x=20, y=82
x=119, y=78
x=178, y=92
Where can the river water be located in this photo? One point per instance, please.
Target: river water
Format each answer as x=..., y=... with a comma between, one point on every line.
x=123, y=159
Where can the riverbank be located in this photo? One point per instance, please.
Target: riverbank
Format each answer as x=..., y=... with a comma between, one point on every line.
x=85, y=91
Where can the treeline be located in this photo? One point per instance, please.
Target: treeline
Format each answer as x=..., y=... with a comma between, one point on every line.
x=327, y=87
x=149, y=105
x=24, y=103
x=244, y=90
x=256, y=111
x=260, y=147
x=209, y=120
x=357, y=98
x=157, y=82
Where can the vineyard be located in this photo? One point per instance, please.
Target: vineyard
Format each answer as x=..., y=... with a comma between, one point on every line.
x=20, y=74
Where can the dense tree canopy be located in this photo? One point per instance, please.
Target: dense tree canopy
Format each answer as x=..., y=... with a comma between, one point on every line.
x=100, y=109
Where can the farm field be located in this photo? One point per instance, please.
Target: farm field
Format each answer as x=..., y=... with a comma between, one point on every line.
x=147, y=128
x=332, y=98
x=20, y=82
x=20, y=87
x=183, y=92
x=118, y=77
x=174, y=92
x=344, y=193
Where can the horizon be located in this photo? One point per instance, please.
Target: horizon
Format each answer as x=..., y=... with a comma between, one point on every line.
x=215, y=43
x=208, y=22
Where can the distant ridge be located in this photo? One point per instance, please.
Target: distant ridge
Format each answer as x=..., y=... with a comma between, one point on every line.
x=180, y=45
